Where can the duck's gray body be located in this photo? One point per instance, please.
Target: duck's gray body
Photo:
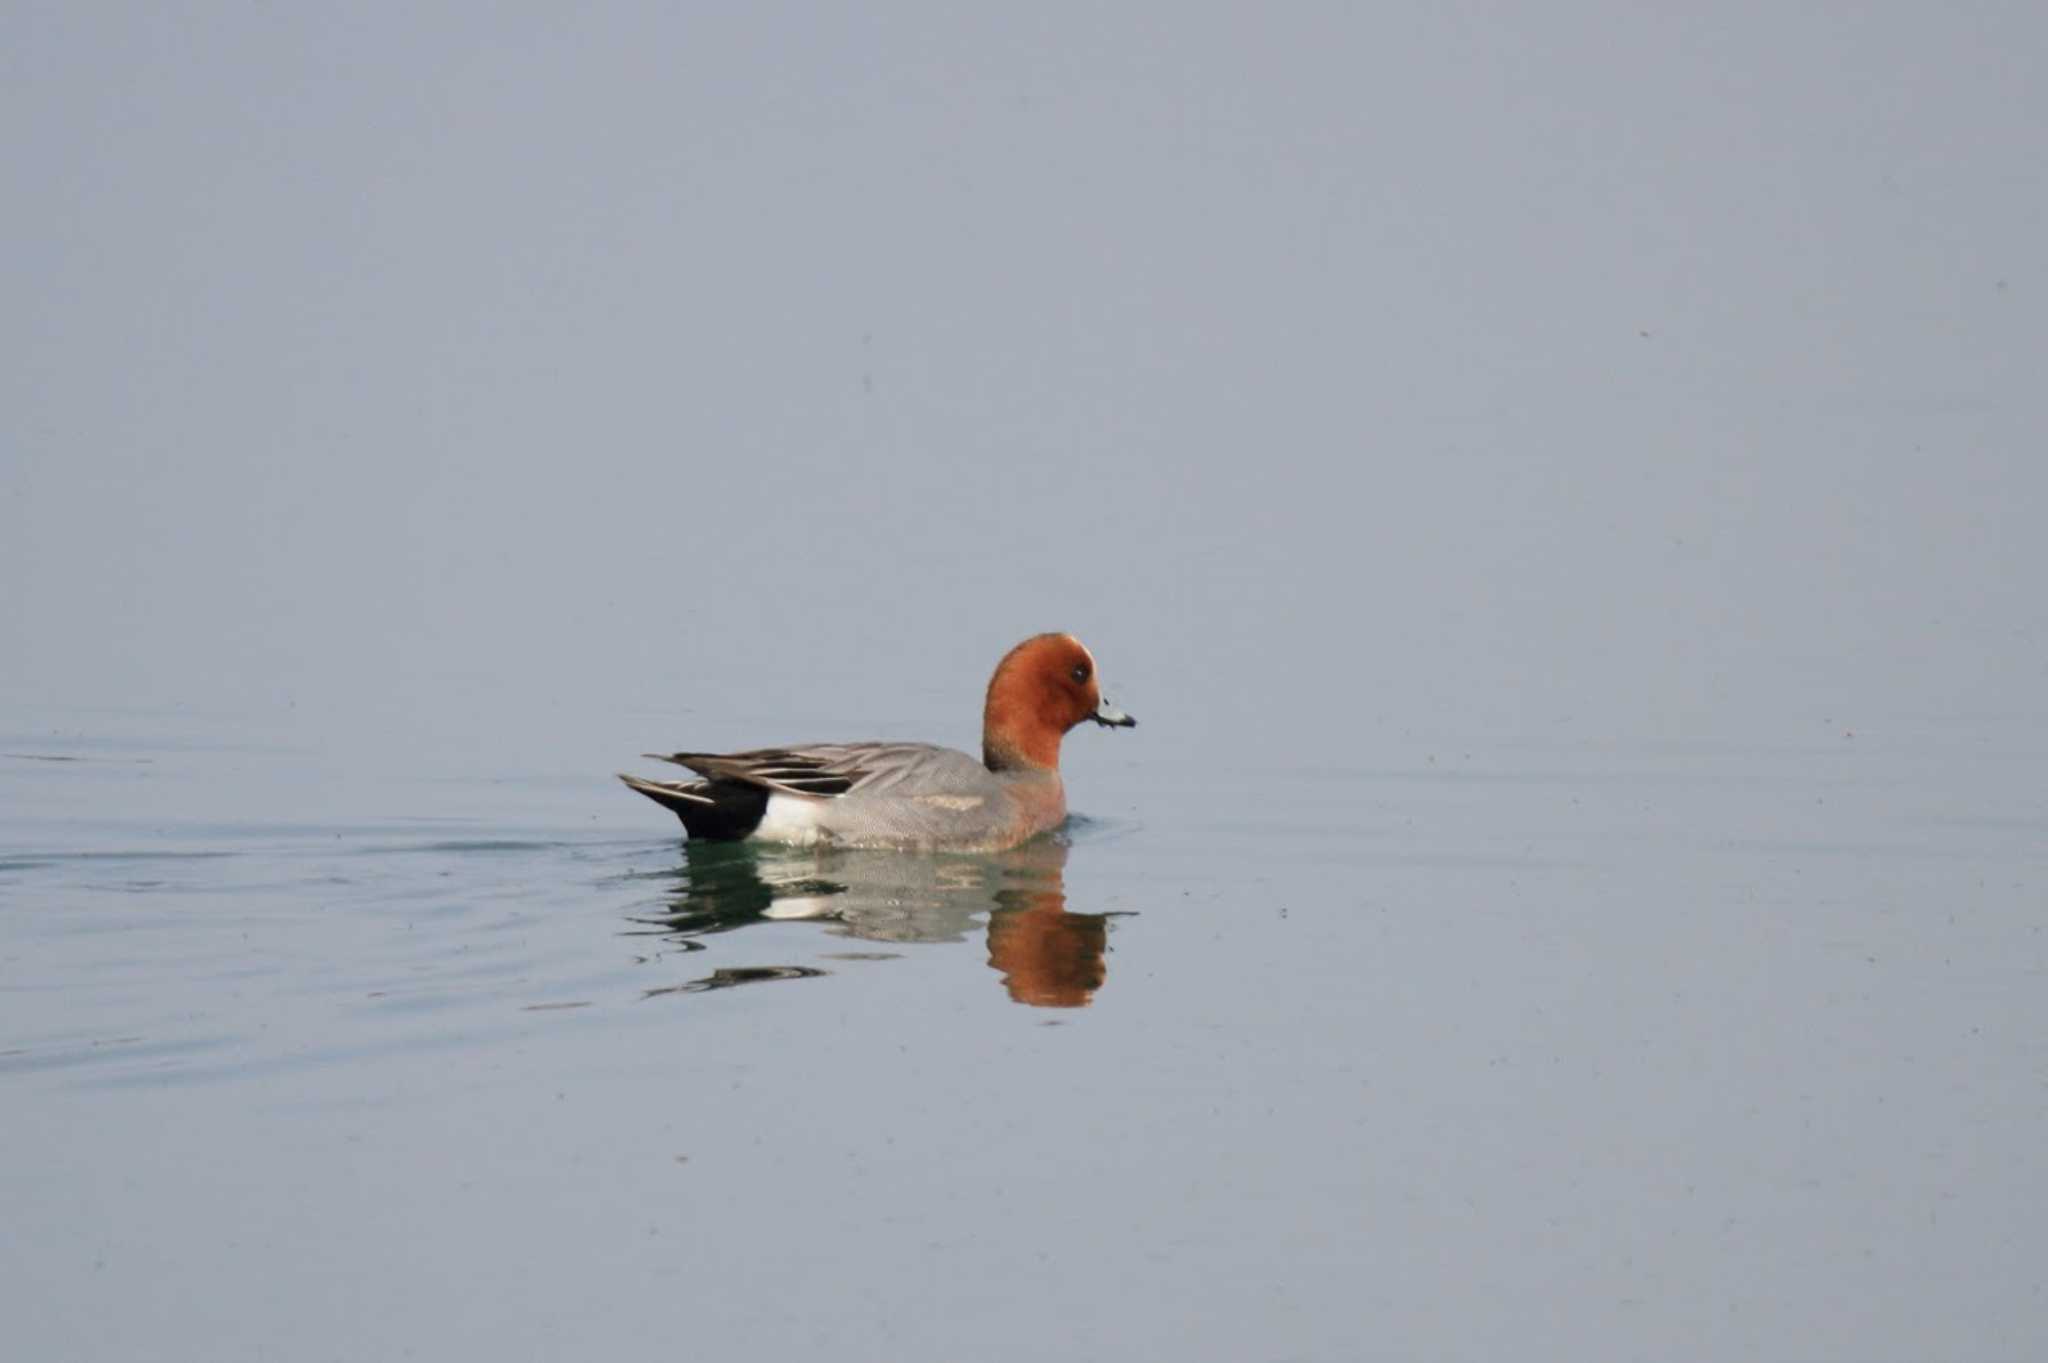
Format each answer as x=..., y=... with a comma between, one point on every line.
x=859, y=795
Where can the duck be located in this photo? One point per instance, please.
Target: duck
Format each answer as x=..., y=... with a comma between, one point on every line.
x=910, y=796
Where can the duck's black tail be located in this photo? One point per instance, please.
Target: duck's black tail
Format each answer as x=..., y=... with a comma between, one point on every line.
x=717, y=810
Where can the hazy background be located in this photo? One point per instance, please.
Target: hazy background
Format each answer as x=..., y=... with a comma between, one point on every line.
x=1561, y=486
x=1475, y=365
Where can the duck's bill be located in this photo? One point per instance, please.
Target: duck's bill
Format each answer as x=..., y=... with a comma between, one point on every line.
x=1109, y=717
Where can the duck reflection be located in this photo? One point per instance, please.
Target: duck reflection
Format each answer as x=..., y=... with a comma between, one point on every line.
x=1047, y=957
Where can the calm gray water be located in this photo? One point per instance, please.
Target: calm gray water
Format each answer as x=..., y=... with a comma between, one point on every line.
x=1715, y=1046
x=1562, y=493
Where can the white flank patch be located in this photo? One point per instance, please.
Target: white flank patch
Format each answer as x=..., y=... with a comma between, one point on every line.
x=789, y=819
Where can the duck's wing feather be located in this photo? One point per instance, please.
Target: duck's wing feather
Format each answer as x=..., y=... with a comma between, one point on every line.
x=824, y=771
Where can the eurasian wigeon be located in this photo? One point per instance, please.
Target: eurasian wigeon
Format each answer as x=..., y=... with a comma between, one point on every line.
x=908, y=795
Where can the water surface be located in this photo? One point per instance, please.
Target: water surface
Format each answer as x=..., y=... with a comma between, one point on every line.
x=1689, y=1038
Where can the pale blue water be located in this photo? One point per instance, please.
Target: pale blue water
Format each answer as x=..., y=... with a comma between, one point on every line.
x=1655, y=1042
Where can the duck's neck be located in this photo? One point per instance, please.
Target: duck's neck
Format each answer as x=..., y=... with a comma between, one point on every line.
x=1006, y=748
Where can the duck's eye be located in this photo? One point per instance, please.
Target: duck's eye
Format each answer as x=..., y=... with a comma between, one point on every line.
x=1080, y=672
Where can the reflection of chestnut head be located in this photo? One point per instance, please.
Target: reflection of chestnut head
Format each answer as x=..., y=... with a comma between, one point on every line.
x=1049, y=958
